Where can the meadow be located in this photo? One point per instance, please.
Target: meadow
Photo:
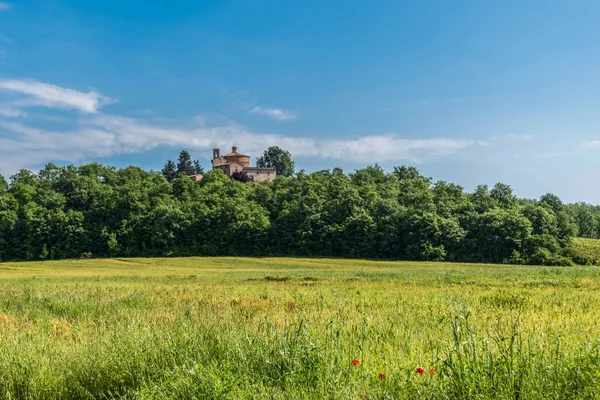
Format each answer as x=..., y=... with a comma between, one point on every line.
x=281, y=328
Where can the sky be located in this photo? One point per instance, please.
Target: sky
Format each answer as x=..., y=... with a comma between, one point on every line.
x=468, y=91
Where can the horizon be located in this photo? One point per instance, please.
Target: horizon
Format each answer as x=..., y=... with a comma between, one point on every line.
x=467, y=93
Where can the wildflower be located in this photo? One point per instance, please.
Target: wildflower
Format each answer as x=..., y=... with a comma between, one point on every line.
x=356, y=362
x=420, y=371
x=382, y=376
x=431, y=371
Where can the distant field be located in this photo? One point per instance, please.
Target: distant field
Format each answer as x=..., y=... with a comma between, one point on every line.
x=589, y=247
x=253, y=328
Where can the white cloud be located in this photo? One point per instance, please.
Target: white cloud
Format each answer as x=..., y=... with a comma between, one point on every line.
x=43, y=94
x=571, y=151
x=5, y=6
x=105, y=135
x=275, y=113
x=95, y=135
x=592, y=144
x=389, y=148
x=11, y=112
x=516, y=136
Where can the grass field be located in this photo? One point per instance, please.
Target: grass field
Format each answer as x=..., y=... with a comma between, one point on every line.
x=244, y=328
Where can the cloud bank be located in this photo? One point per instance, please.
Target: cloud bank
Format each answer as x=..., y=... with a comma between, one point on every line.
x=94, y=134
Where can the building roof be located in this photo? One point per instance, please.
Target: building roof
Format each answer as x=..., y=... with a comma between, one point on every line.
x=234, y=153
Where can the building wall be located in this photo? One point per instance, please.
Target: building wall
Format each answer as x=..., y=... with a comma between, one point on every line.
x=261, y=174
x=243, y=160
x=218, y=161
x=229, y=169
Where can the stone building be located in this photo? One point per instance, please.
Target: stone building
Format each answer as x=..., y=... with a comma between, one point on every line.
x=236, y=162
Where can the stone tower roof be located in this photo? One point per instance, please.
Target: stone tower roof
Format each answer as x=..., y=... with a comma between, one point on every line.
x=234, y=153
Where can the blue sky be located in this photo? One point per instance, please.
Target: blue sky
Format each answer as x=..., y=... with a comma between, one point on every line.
x=472, y=92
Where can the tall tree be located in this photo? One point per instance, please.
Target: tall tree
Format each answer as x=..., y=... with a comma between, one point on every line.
x=3, y=184
x=278, y=158
x=553, y=201
x=503, y=194
x=198, y=168
x=185, y=164
x=406, y=172
x=169, y=171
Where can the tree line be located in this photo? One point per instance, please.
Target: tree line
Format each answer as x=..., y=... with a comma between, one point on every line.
x=101, y=211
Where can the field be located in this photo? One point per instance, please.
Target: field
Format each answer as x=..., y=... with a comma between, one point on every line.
x=243, y=328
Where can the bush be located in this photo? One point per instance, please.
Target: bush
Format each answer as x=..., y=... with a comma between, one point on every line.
x=561, y=261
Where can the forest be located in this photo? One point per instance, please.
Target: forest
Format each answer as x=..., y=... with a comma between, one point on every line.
x=94, y=210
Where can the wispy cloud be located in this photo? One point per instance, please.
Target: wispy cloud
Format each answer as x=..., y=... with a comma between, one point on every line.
x=5, y=6
x=275, y=113
x=95, y=135
x=571, y=151
x=11, y=112
x=390, y=148
x=42, y=94
x=517, y=136
x=250, y=104
x=105, y=135
x=592, y=144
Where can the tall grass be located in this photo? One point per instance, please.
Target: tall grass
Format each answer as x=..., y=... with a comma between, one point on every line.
x=286, y=329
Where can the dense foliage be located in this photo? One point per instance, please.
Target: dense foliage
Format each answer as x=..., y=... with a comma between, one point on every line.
x=586, y=218
x=94, y=210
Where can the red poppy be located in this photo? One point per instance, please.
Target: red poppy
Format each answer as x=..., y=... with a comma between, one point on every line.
x=420, y=371
x=382, y=376
x=431, y=371
x=356, y=362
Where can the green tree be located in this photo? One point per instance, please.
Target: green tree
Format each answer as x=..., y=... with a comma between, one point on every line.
x=241, y=176
x=185, y=164
x=69, y=212
x=503, y=195
x=553, y=201
x=3, y=184
x=409, y=173
x=278, y=158
x=198, y=168
x=169, y=171
x=481, y=199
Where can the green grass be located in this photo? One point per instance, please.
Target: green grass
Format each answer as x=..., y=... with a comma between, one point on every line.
x=590, y=248
x=244, y=328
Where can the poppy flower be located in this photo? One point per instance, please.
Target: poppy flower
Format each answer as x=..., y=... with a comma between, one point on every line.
x=356, y=362
x=431, y=371
x=420, y=371
x=382, y=376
